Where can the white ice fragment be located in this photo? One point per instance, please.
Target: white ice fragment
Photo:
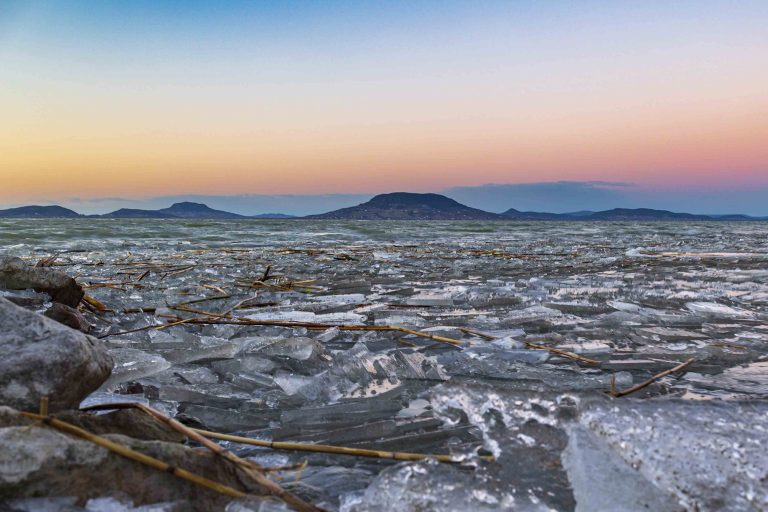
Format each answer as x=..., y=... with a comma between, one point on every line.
x=624, y=306
x=415, y=408
x=715, y=309
x=508, y=343
x=725, y=463
x=670, y=333
x=328, y=335
x=103, y=397
x=299, y=348
x=309, y=317
x=430, y=299
x=750, y=379
x=677, y=347
x=402, y=320
x=585, y=457
x=587, y=347
x=113, y=505
x=132, y=364
x=533, y=313
x=385, y=256
x=349, y=298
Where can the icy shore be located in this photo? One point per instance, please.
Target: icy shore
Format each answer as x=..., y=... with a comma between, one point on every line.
x=505, y=341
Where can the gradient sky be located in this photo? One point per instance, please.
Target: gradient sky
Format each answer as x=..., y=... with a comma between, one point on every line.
x=139, y=99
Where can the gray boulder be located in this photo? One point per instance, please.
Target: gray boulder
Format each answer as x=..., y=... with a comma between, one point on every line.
x=17, y=275
x=39, y=356
x=127, y=422
x=40, y=461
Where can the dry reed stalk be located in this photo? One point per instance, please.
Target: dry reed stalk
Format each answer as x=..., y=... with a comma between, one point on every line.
x=187, y=309
x=569, y=355
x=218, y=319
x=95, y=303
x=420, y=334
x=215, y=288
x=253, y=470
x=44, y=405
x=115, y=286
x=177, y=322
x=284, y=285
x=653, y=379
x=47, y=262
x=479, y=334
x=563, y=353
x=147, y=327
x=204, y=299
x=320, y=326
x=324, y=448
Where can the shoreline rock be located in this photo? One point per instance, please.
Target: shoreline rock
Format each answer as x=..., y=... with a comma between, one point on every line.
x=41, y=461
x=68, y=316
x=41, y=357
x=15, y=274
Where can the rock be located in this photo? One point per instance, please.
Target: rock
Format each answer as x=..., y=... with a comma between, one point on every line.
x=40, y=461
x=29, y=299
x=9, y=417
x=17, y=275
x=128, y=422
x=40, y=357
x=69, y=317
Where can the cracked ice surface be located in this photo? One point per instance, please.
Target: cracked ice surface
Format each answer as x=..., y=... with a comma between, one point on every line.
x=637, y=298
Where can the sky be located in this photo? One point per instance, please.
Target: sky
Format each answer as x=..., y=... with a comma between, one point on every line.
x=554, y=106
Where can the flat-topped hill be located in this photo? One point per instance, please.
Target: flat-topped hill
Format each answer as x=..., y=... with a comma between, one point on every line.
x=39, y=211
x=409, y=206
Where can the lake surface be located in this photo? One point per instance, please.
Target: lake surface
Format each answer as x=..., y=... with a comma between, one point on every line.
x=290, y=342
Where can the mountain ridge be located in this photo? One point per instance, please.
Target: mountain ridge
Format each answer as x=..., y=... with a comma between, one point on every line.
x=390, y=206
x=35, y=211
x=408, y=206
x=190, y=210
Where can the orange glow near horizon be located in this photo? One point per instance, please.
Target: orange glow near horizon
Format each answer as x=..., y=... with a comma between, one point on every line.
x=120, y=160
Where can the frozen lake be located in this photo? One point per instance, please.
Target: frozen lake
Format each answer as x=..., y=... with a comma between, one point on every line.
x=523, y=330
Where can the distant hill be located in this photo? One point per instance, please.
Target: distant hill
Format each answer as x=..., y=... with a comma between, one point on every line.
x=643, y=214
x=272, y=216
x=621, y=214
x=133, y=213
x=580, y=213
x=189, y=210
x=736, y=217
x=518, y=215
x=185, y=210
x=409, y=206
x=48, y=212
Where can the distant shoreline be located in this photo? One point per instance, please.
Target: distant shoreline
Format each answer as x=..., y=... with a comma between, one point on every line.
x=309, y=219
x=397, y=206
